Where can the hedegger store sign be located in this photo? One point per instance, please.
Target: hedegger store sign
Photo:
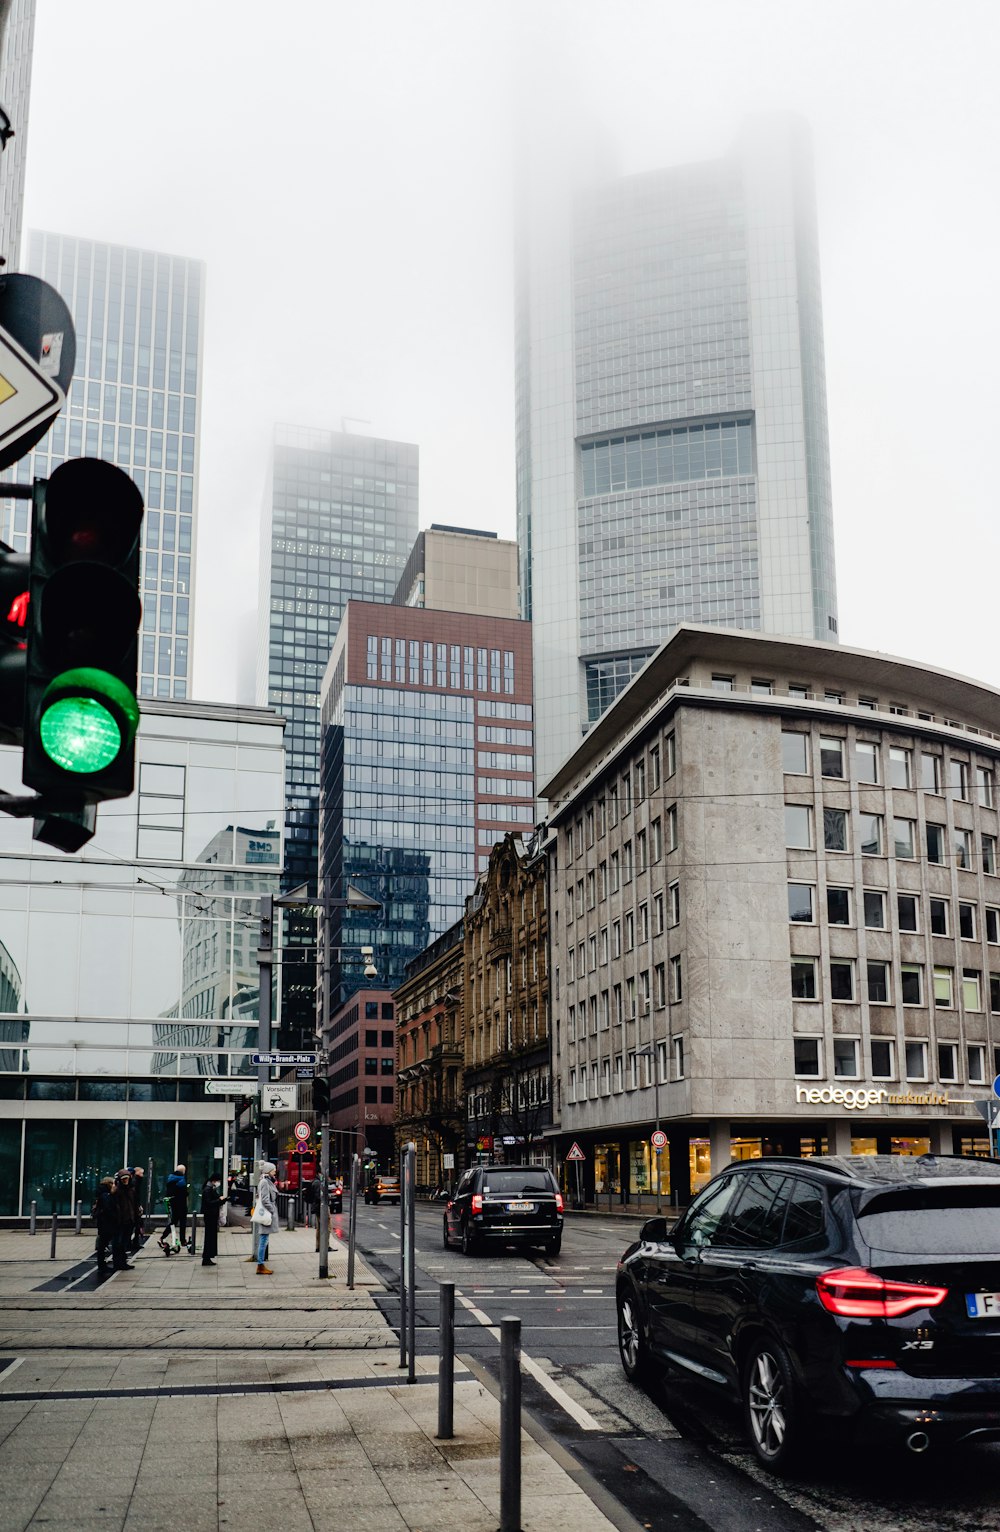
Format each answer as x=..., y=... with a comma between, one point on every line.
x=859, y=1100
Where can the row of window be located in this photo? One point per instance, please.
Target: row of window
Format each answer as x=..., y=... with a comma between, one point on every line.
x=621, y=1002
x=616, y=802
x=605, y=1077
x=932, y=773
x=883, y=1061
x=620, y=935
x=456, y=665
x=802, y=900
x=870, y=829
x=622, y=865
x=843, y=985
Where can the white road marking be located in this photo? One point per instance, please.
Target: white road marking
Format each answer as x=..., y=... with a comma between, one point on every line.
x=575, y=1411
x=77, y=1280
x=15, y=1364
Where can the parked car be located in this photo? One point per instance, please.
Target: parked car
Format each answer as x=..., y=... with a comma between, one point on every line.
x=336, y=1195
x=382, y=1189
x=505, y=1205
x=858, y=1291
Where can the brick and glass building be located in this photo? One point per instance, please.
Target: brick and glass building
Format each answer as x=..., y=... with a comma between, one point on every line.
x=775, y=911
x=430, y=1027
x=361, y=1042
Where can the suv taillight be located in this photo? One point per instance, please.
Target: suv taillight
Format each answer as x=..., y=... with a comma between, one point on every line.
x=854, y=1293
x=477, y=1202
x=559, y=1202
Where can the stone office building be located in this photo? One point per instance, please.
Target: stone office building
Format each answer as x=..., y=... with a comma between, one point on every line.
x=775, y=911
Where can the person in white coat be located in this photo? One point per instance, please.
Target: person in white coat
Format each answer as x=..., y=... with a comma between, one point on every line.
x=265, y=1215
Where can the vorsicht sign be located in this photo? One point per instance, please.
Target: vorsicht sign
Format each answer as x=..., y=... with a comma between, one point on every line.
x=861, y=1098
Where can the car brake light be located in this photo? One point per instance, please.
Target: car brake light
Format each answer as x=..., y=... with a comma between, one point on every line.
x=874, y=1361
x=477, y=1202
x=559, y=1202
x=854, y=1293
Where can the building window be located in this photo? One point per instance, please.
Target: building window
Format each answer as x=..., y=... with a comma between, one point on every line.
x=967, y=922
x=878, y=983
x=656, y=840
x=989, y=845
x=935, y=843
x=911, y=984
x=835, y=829
x=958, y=778
x=657, y=914
x=660, y=984
x=800, y=903
x=654, y=767
x=641, y=854
x=830, y=695
x=963, y=849
x=640, y=781
x=906, y=912
x=678, y=1051
x=669, y=755
x=874, y=909
x=872, y=839
x=676, y=980
x=723, y=683
x=904, y=833
x=930, y=773
x=971, y=990
x=160, y=813
x=803, y=972
x=991, y=918
x=995, y=997
x=672, y=827
x=976, y=1055
x=841, y=981
x=984, y=786
x=616, y=938
x=883, y=1066
x=871, y=703
x=838, y=906
x=629, y=931
x=673, y=904
x=831, y=757
x=761, y=688
x=916, y=1061
x=798, y=826
x=807, y=1057
x=802, y=693
x=795, y=753
x=939, y=917
x=866, y=761
x=899, y=767
x=845, y=1057
x=947, y=1061
x=943, y=997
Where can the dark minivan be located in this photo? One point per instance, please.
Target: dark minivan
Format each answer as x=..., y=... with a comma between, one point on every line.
x=858, y=1291
x=505, y=1205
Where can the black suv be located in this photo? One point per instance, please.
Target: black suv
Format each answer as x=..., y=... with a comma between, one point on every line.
x=505, y=1205
x=862, y=1290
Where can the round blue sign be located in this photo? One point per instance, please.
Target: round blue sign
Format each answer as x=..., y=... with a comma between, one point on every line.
x=996, y=1086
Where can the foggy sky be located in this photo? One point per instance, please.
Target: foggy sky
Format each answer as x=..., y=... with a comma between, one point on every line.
x=346, y=173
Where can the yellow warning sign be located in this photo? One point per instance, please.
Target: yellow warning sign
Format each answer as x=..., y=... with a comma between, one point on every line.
x=7, y=389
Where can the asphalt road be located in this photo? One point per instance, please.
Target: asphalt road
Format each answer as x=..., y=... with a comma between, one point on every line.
x=675, y=1457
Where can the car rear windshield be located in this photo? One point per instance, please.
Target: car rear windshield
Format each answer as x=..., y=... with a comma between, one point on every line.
x=513, y=1182
x=940, y=1220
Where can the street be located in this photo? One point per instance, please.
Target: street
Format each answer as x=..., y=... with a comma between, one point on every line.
x=675, y=1457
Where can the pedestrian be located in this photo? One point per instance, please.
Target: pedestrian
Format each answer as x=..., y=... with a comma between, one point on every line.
x=211, y=1207
x=265, y=1215
x=103, y=1213
x=177, y=1192
x=123, y=1216
x=139, y=1199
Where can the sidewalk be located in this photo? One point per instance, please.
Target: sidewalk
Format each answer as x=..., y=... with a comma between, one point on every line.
x=211, y=1397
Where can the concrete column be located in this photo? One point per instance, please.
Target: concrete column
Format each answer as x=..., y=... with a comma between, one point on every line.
x=941, y=1137
x=720, y=1142
x=838, y=1135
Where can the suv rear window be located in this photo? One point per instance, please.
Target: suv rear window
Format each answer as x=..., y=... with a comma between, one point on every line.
x=946, y=1220
x=504, y=1182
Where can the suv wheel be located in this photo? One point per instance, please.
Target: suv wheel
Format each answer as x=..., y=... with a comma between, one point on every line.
x=554, y=1246
x=631, y=1341
x=770, y=1410
x=447, y=1242
x=470, y=1244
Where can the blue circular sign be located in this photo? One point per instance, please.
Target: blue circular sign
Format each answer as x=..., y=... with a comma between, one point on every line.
x=996, y=1086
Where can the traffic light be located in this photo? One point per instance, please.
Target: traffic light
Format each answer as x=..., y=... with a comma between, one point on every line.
x=321, y=1094
x=13, y=628
x=80, y=705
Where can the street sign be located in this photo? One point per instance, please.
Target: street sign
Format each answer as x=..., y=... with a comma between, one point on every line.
x=447, y=1161
x=302, y=1130
x=231, y=1087
x=302, y=1148
x=576, y=1153
x=658, y=1140
x=306, y=1072
x=279, y=1098
x=990, y=1111
x=996, y=1086
x=283, y=1058
x=37, y=357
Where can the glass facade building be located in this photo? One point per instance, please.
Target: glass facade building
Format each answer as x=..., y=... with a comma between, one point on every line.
x=134, y=401
x=15, y=92
x=128, y=975
x=339, y=519
x=671, y=432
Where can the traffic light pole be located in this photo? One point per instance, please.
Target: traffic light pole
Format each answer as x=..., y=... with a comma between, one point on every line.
x=324, y=1182
x=265, y=960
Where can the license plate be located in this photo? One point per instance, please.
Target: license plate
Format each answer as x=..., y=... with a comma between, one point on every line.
x=983, y=1305
x=520, y=1207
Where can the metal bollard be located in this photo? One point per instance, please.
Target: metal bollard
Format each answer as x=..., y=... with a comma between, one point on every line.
x=290, y=1214
x=411, y=1261
x=193, y=1245
x=55, y=1230
x=510, y=1425
x=79, y=1217
x=34, y=1217
x=352, y=1227
x=446, y=1363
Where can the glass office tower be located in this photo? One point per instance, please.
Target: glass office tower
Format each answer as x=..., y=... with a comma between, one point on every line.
x=134, y=401
x=672, y=450
x=15, y=91
x=339, y=519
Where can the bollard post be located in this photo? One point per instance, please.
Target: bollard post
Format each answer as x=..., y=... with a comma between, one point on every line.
x=193, y=1245
x=352, y=1225
x=79, y=1217
x=290, y=1214
x=411, y=1258
x=446, y=1363
x=55, y=1230
x=34, y=1217
x=510, y=1425
x=403, y=1308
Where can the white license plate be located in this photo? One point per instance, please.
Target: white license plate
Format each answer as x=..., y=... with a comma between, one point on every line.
x=983, y=1305
x=520, y=1207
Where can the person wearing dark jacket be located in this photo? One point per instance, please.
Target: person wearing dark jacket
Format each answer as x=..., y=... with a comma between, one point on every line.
x=105, y=1211
x=177, y=1191
x=211, y=1206
x=139, y=1205
x=122, y=1198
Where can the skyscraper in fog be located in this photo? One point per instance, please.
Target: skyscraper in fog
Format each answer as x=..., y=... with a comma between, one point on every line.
x=15, y=89
x=339, y=519
x=672, y=453
x=134, y=401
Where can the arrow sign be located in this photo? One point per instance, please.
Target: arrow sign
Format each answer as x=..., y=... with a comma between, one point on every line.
x=28, y=398
x=576, y=1153
x=231, y=1087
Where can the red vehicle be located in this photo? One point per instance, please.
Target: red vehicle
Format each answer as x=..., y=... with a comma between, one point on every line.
x=295, y=1170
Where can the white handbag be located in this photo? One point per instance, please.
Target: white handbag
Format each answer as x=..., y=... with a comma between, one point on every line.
x=262, y=1216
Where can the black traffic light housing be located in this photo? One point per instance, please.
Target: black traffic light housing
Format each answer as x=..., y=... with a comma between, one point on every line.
x=321, y=1094
x=81, y=708
x=13, y=643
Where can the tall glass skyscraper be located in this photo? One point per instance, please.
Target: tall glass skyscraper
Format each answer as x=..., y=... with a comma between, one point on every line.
x=339, y=519
x=134, y=401
x=672, y=454
x=15, y=90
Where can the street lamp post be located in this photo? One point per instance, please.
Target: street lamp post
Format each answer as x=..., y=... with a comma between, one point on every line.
x=650, y=1054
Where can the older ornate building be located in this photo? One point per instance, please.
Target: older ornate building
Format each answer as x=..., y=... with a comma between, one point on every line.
x=507, y=1006
x=429, y=1044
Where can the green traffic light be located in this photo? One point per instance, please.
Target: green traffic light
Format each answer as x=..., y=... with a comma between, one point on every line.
x=87, y=718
